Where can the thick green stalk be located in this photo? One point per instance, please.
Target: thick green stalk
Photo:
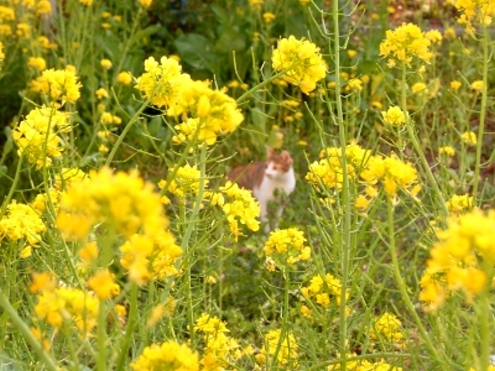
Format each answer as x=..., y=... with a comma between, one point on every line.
x=345, y=240
x=131, y=323
x=20, y=325
x=481, y=128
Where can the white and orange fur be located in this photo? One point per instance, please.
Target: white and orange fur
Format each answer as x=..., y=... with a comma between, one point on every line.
x=267, y=180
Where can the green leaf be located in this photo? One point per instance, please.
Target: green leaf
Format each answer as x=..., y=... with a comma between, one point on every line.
x=197, y=51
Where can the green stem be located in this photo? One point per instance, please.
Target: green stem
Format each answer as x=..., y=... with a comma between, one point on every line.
x=481, y=129
x=129, y=330
x=284, y=337
x=346, y=234
x=259, y=86
x=403, y=289
x=191, y=226
x=128, y=127
x=101, y=364
x=417, y=147
x=20, y=325
x=13, y=187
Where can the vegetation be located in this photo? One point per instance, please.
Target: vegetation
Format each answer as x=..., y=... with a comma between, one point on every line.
x=123, y=246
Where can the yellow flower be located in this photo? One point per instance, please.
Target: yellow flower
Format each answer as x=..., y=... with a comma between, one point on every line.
x=186, y=180
x=406, y=42
x=106, y=63
x=37, y=62
x=286, y=349
x=477, y=85
x=60, y=85
x=20, y=222
x=268, y=17
x=86, y=2
x=124, y=78
x=457, y=204
x=419, y=87
x=355, y=84
x=161, y=82
x=394, y=116
x=145, y=3
x=169, y=355
x=37, y=138
x=210, y=113
x=286, y=247
x=388, y=327
x=455, y=85
x=103, y=284
x=101, y=93
x=447, y=150
x=469, y=137
x=434, y=36
x=238, y=205
x=123, y=202
x=302, y=62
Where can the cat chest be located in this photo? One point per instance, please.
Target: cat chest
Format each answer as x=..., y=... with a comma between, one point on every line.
x=269, y=187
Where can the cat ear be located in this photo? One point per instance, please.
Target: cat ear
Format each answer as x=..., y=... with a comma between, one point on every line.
x=287, y=157
x=270, y=152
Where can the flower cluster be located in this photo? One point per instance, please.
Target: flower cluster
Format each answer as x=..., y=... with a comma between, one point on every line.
x=150, y=257
x=458, y=204
x=169, y=355
x=458, y=259
x=287, y=349
x=404, y=43
x=220, y=350
x=62, y=305
x=329, y=172
x=475, y=11
x=187, y=180
x=324, y=291
x=204, y=113
x=240, y=207
x=161, y=82
x=123, y=202
x=60, y=85
x=387, y=327
x=394, y=116
x=285, y=247
x=364, y=365
x=207, y=113
x=302, y=62
x=37, y=136
x=22, y=221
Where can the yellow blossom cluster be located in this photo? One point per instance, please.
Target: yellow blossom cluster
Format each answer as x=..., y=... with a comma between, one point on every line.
x=206, y=113
x=458, y=204
x=169, y=355
x=103, y=284
x=62, y=305
x=394, y=116
x=475, y=11
x=364, y=365
x=220, y=350
x=286, y=349
x=458, y=260
x=123, y=202
x=404, y=43
x=446, y=150
x=20, y=222
x=324, y=291
x=239, y=206
x=2, y=54
x=329, y=173
x=469, y=137
x=60, y=85
x=37, y=138
x=302, y=62
x=285, y=247
x=187, y=180
x=161, y=82
x=387, y=327
x=150, y=257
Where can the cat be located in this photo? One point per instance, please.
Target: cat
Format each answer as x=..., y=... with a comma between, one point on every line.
x=267, y=180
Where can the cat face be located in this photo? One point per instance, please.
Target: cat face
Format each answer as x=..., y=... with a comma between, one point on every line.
x=277, y=165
